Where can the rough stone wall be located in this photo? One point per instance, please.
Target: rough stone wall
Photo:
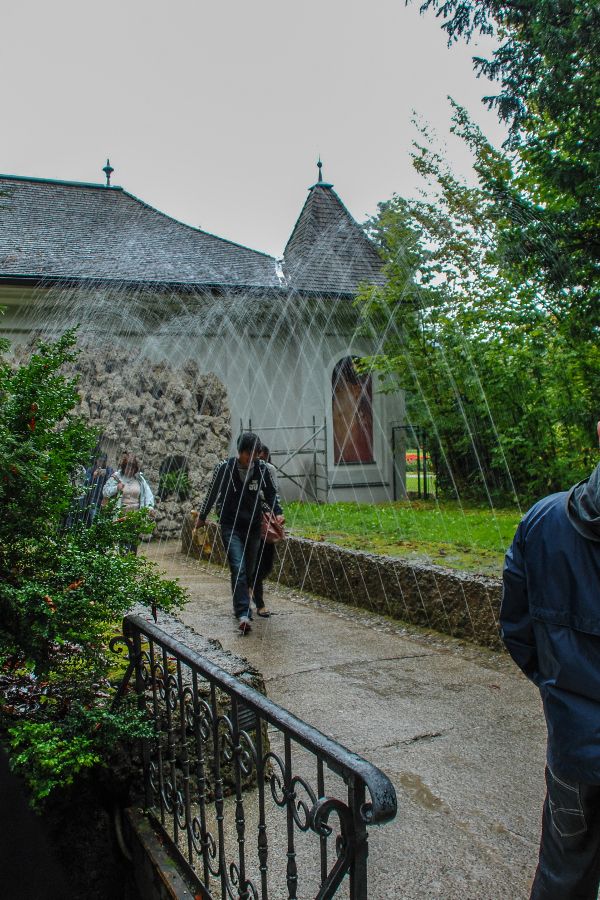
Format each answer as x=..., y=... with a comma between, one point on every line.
x=456, y=603
x=157, y=411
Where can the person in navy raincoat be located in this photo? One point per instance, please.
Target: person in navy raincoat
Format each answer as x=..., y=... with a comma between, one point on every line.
x=550, y=620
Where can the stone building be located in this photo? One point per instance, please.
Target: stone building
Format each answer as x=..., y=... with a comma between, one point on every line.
x=238, y=338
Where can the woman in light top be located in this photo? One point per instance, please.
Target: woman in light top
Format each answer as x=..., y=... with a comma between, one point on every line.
x=130, y=488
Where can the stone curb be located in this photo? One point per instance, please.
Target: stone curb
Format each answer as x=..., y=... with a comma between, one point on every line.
x=452, y=602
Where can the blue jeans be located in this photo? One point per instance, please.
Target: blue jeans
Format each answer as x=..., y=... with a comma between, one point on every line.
x=569, y=866
x=241, y=548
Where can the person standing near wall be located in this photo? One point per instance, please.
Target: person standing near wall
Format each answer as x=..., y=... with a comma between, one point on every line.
x=130, y=488
x=77, y=509
x=96, y=476
x=266, y=552
x=238, y=488
x=550, y=618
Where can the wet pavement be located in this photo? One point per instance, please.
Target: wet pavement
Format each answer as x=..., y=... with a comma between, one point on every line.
x=457, y=729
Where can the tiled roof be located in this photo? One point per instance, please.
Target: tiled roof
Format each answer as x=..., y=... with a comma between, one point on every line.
x=69, y=230
x=328, y=251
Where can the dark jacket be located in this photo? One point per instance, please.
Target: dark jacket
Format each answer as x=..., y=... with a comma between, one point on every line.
x=95, y=486
x=240, y=505
x=550, y=620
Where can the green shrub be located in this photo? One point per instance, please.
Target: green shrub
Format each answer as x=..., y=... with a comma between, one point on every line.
x=63, y=590
x=52, y=753
x=177, y=483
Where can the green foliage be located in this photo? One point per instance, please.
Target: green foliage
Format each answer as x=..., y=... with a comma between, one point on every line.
x=53, y=753
x=547, y=67
x=177, y=483
x=516, y=359
x=494, y=370
x=37, y=458
x=63, y=589
x=50, y=755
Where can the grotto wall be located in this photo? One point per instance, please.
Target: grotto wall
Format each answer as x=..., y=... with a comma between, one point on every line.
x=176, y=420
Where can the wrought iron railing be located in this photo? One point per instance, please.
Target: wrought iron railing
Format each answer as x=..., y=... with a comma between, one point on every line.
x=254, y=802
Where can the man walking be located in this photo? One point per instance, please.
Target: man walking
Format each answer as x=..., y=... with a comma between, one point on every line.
x=239, y=487
x=550, y=621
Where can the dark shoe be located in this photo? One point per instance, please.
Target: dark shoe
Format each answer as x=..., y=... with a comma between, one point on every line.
x=263, y=613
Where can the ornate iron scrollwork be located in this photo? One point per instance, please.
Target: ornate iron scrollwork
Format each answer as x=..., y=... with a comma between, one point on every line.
x=210, y=757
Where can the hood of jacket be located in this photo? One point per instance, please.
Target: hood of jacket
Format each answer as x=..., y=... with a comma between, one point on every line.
x=583, y=506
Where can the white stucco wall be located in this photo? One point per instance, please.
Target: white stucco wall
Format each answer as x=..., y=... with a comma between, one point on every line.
x=278, y=379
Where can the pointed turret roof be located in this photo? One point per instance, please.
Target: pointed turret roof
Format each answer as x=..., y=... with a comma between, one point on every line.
x=328, y=251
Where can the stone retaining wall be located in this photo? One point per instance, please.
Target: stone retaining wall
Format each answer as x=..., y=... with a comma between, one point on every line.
x=456, y=603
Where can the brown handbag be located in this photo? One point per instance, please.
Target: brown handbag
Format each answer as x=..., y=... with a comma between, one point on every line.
x=271, y=531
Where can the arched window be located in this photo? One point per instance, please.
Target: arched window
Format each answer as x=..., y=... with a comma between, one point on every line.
x=352, y=413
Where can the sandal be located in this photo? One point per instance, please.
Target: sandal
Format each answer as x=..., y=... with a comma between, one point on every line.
x=263, y=613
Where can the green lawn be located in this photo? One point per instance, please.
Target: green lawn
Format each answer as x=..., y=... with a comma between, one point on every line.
x=412, y=482
x=445, y=533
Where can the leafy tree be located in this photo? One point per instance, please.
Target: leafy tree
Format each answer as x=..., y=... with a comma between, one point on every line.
x=491, y=313
x=63, y=590
x=488, y=361
x=546, y=64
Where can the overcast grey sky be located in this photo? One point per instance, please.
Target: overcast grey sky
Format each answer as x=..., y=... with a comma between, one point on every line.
x=215, y=112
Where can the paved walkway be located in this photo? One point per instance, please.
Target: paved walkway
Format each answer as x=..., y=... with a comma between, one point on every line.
x=458, y=730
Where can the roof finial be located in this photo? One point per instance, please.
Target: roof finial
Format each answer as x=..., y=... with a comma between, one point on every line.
x=108, y=170
x=320, y=183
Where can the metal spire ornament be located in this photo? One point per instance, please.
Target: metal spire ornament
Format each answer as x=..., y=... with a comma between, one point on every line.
x=108, y=170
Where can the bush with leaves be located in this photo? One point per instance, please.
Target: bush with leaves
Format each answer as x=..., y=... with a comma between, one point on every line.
x=175, y=483
x=63, y=590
